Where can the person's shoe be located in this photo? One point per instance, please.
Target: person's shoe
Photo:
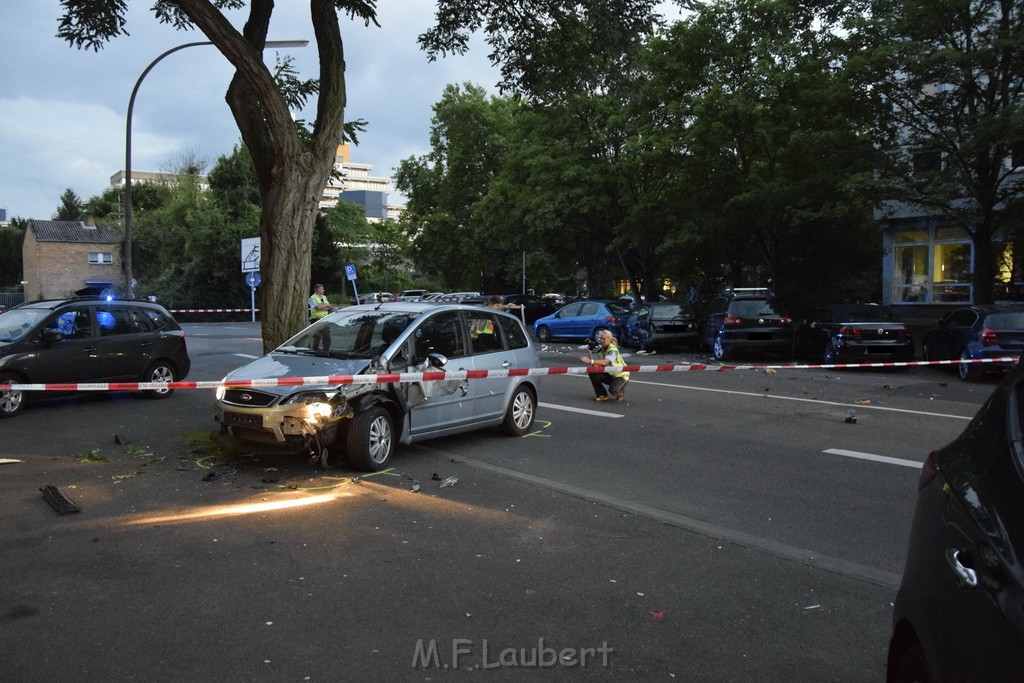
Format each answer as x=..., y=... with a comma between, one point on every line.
x=620, y=395
x=601, y=398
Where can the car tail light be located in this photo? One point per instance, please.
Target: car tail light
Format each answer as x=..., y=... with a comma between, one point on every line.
x=988, y=337
x=732, y=320
x=785, y=320
x=929, y=469
x=612, y=319
x=851, y=331
x=904, y=332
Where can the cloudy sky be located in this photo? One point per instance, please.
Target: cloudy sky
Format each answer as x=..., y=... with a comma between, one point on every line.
x=62, y=110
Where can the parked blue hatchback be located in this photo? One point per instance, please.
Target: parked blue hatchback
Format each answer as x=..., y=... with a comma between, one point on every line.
x=581, y=320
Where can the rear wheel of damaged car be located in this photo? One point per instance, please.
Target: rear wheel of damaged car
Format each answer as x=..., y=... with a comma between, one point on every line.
x=522, y=410
x=370, y=440
x=12, y=401
x=543, y=334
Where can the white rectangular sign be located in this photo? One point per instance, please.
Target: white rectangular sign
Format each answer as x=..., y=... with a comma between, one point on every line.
x=250, y=254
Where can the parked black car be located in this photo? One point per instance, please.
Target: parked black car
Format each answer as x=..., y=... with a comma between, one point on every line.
x=977, y=332
x=854, y=333
x=747, y=319
x=88, y=340
x=534, y=307
x=959, y=611
x=660, y=326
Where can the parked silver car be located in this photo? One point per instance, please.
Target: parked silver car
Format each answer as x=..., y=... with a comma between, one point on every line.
x=360, y=423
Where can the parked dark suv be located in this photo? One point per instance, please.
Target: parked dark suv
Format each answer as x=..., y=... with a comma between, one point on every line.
x=88, y=340
x=747, y=319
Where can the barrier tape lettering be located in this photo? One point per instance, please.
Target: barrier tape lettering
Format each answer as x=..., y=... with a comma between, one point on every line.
x=440, y=376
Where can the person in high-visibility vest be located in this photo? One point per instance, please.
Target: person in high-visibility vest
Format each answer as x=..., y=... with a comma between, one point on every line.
x=614, y=377
x=319, y=306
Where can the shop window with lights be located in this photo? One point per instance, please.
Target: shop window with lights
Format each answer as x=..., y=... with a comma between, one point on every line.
x=933, y=265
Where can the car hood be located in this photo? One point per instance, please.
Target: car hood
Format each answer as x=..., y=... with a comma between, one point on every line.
x=276, y=365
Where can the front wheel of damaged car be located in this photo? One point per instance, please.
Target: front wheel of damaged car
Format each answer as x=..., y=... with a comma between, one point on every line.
x=520, y=414
x=370, y=440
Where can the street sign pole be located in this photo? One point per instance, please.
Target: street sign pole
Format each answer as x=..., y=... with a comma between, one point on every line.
x=350, y=273
x=253, y=280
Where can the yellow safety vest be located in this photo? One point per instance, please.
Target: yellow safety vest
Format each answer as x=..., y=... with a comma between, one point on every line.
x=314, y=313
x=612, y=353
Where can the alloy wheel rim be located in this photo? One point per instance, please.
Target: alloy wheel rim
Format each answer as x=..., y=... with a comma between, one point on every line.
x=380, y=439
x=522, y=410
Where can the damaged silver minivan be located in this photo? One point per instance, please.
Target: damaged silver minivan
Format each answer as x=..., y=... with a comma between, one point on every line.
x=360, y=423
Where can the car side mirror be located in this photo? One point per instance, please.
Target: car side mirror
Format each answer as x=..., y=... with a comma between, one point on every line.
x=50, y=337
x=437, y=360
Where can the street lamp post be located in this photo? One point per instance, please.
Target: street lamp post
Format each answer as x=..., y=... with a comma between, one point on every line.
x=127, y=264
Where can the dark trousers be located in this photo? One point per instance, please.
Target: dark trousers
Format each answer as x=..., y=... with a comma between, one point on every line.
x=600, y=380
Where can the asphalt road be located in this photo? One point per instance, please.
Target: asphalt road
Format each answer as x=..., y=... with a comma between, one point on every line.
x=713, y=526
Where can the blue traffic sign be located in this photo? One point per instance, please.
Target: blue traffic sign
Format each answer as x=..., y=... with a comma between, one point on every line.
x=252, y=279
x=350, y=271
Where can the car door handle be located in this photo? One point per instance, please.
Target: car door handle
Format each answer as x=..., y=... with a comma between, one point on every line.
x=965, y=576
x=507, y=364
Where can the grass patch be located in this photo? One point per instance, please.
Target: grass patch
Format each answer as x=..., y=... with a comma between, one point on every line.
x=202, y=446
x=93, y=456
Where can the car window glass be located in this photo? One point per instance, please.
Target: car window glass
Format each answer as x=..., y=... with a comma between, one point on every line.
x=141, y=322
x=73, y=324
x=484, y=333
x=868, y=314
x=588, y=309
x=441, y=333
x=616, y=309
x=1010, y=320
x=962, y=318
x=670, y=312
x=514, y=334
x=752, y=308
x=116, y=320
x=158, y=319
x=570, y=311
x=15, y=323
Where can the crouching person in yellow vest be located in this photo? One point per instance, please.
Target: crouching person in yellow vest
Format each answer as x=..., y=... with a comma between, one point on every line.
x=614, y=377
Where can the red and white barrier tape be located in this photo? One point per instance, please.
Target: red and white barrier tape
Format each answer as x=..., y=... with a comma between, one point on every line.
x=212, y=310
x=395, y=377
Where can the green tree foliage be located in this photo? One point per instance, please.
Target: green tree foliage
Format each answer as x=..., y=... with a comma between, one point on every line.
x=468, y=140
x=70, y=208
x=950, y=73
x=772, y=136
x=108, y=206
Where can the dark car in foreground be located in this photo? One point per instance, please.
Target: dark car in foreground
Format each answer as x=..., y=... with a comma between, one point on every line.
x=959, y=611
x=975, y=332
x=360, y=423
x=747, y=320
x=660, y=326
x=581, y=320
x=854, y=333
x=71, y=341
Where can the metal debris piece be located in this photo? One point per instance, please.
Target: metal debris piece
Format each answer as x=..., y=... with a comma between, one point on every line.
x=59, y=500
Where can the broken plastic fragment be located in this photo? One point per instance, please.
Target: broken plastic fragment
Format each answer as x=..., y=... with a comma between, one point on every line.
x=657, y=614
x=450, y=481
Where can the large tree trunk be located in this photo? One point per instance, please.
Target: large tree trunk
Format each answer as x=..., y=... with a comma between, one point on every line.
x=286, y=232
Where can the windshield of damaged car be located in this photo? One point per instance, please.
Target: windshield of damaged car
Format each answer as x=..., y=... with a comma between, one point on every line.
x=363, y=334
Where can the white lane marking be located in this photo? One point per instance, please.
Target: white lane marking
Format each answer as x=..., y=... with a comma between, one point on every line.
x=856, y=406
x=246, y=355
x=599, y=413
x=876, y=458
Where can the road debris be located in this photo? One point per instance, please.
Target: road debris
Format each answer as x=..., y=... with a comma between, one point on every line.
x=450, y=481
x=59, y=500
